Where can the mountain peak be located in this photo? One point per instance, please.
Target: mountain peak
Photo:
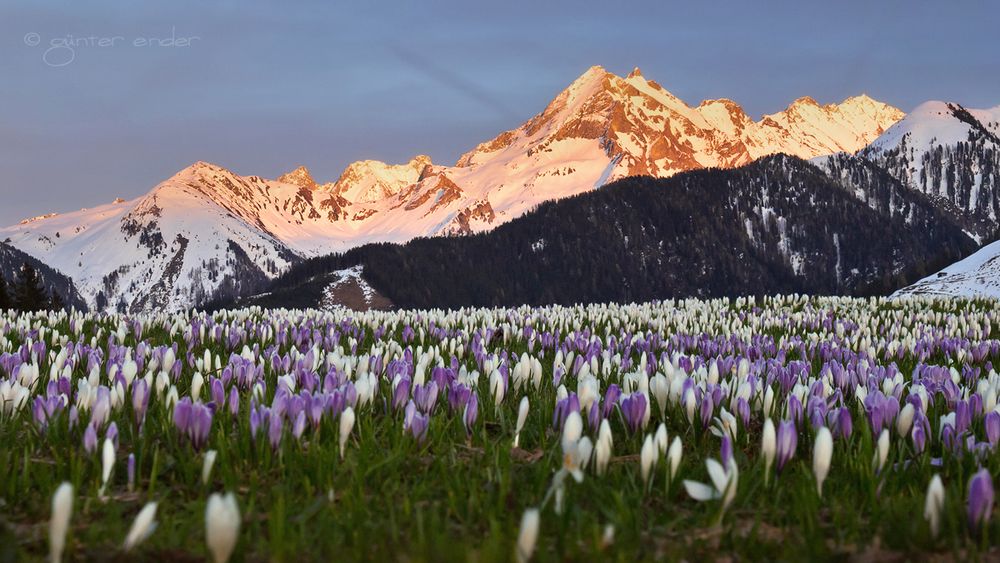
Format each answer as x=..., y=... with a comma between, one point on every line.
x=299, y=177
x=804, y=101
x=635, y=72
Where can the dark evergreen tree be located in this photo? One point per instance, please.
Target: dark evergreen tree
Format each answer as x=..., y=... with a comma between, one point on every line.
x=56, y=302
x=29, y=294
x=4, y=295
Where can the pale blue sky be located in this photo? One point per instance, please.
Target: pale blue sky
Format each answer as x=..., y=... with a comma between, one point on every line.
x=265, y=86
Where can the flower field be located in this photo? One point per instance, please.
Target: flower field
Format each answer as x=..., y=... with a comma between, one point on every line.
x=781, y=428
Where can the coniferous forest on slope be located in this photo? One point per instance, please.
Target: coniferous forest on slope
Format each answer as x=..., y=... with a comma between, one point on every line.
x=778, y=225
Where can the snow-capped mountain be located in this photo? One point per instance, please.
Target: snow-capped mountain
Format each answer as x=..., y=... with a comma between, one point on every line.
x=643, y=129
x=976, y=276
x=209, y=232
x=951, y=154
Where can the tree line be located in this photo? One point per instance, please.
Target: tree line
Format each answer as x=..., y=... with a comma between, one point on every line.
x=27, y=293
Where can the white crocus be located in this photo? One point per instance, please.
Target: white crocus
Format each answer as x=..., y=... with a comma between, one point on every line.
x=723, y=487
x=660, y=438
x=528, y=535
x=603, y=448
x=905, y=420
x=934, y=504
x=62, y=509
x=768, y=447
x=107, y=464
x=346, y=425
x=196, y=383
x=572, y=430
x=647, y=457
x=522, y=417
x=674, y=454
x=206, y=466
x=222, y=526
x=881, y=451
x=142, y=527
x=822, y=455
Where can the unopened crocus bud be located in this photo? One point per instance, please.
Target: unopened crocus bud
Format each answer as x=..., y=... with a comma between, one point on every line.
x=130, y=470
x=346, y=424
x=768, y=447
x=822, y=455
x=62, y=509
x=647, y=457
x=522, y=417
x=142, y=527
x=980, y=504
x=527, y=536
x=206, y=466
x=222, y=526
x=674, y=456
x=934, y=504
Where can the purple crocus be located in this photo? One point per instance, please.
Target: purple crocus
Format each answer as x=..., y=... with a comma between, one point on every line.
x=90, y=439
x=299, y=426
x=787, y=441
x=112, y=434
x=193, y=420
x=992, y=423
x=401, y=392
x=418, y=426
x=726, y=451
x=980, y=505
x=471, y=413
x=140, y=399
x=918, y=434
x=234, y=401
x=611, y=397
x=634, y=411
x=563, y=408
x=426, y=397
x=130, y=471
x=707, y=408
x=275, y=427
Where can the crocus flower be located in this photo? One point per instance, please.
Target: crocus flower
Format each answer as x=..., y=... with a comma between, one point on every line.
x=634, y=410
x=206, y=465
x=881, y=451
x=90, y=439
x=934, y=504
x=130, y=471
x=140, y=399
x=822, y=454
x=522, y=417
x=471, y=412
x=527, y=536
x=905, y=420
x=787, y=440
x=674, y=454
x=768, y=447
x=647, y=457
x=142, y=527
x=726, y=451
x=992, y=423
x=62, y=509
x=661, y=439
x=107, y=464
x=602, y=450
x=418, y=426
x=724, y=484
x=222, y=526
x=980, y=505
x=346, y=425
